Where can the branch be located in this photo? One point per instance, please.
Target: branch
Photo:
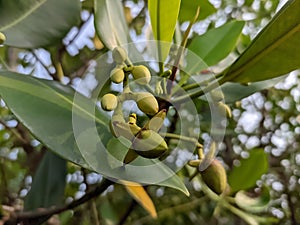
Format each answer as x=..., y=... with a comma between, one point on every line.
x=47, y=213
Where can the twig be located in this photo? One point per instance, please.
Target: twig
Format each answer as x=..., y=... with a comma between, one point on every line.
x=180, y=51
x=41, y=62
x=46, y=213
x=127, y=213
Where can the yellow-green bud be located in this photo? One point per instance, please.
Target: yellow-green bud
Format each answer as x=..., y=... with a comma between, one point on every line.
x=2, y=38
x=215, y=177
x=119, y=55
x=125, y=129
x=194, y=163
x=156, y=122
x=109, y=102
x=117, y=75
x=217, y=95
x=141, y=74
x=224, y=109
x=149, y=144
x=147, y=103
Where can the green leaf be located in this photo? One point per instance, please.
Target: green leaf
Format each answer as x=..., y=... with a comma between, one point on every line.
x=45, y=108
x=163, y=15
x=48, y=183
x=44, y=23
x=68, y=124
x=188, y=9
x=110, y=23
x=274, y=52
x=253, y=204
x=234, y=91
x=214, y=45
x=250, y=170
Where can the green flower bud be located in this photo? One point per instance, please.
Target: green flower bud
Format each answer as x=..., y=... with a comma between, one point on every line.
x=117, y=75
x=141, y=74
x=125, y=129
x=217, y=95
x=2, y=38
x=156, y=122
x=109, y=102
x=149, y=144
x=224, y=109
x=194, y=163
x=147, y=103
x=119, y=55
x=215, y=177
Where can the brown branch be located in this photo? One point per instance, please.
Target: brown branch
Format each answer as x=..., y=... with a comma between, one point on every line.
x=31, y=216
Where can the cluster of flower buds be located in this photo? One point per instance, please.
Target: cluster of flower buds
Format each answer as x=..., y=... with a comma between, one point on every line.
x=146, y=141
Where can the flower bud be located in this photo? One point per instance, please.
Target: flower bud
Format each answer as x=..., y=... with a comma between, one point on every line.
x=141, y=74
x=117, y=75
x=109, y=102
x=147, y=103
x=156, y=122
x=2, y=38
x=215, y=177
x=149, y=144
x=217, y=95
x=119, y=55
x=125, y=129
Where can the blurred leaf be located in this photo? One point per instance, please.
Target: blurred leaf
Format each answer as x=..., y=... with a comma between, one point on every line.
x=274, y=52
x=250, y=170
x=214, y=45
x=33, y=28
x=253, y=204
x=141, y=196
x=48, y=183
x=234, y=91
x=110, y=23
x=163, y=15
x=188, y=9
x=45, y=108
x=108, y=212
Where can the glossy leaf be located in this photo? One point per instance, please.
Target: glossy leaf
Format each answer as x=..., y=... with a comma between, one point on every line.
x=163, y=15
x=45, y=108
x=274, y=52
x=45, y=23
x=234, y=91
x=188, y=9
x=214, y=45
x=68, y=124
x=253, y=204
x=48, y=183
x=250, y=170
x=141, y=196
x=110, y=23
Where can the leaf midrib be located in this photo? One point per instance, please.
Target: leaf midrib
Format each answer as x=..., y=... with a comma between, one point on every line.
x=257, y=57
x=24, y=16
x=65, y=99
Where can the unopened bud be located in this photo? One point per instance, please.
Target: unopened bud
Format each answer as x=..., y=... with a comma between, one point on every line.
x=109, y=102
x=119, y=55
x=215, y=177
x=149, y=144
x=147, y=103
x=141, y=74
x=117, y=75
